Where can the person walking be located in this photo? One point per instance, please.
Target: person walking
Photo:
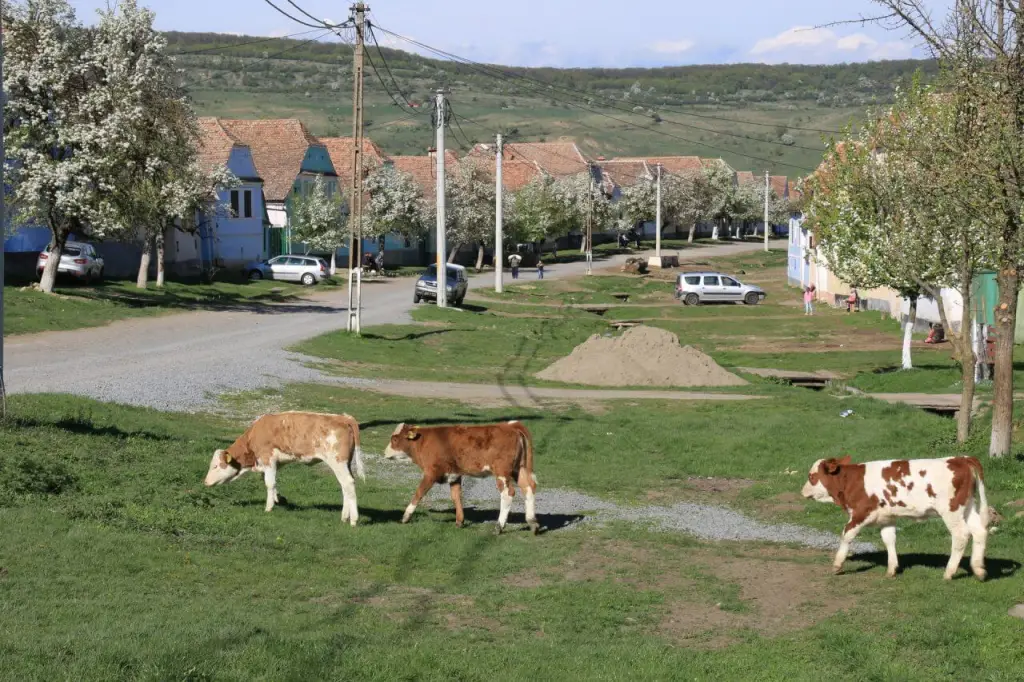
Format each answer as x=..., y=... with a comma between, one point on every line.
x=513, y=261
x=540, y=268
x=851, y=301
x=809, y=300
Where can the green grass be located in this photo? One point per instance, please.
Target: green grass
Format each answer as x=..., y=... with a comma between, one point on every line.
x=118, y=564
x=74, y=307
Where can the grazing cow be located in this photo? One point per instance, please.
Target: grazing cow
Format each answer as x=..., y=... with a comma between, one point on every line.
x=447, y=453
x=878, y=493
x=276, y=439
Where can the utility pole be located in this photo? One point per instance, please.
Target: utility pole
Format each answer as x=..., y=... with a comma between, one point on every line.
x=355, y=224
x=767, y=185
x=590, y=223
x=499, y=274
x=657, y=221
x=442, y=260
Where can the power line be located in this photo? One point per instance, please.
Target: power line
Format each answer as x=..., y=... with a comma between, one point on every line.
x=319, y=24
x=316, y=19
x=251, y=42
x=385, y=62
x=489, y=71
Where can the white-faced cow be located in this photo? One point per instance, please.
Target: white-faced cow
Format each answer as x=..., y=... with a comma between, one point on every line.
x=879, y=493
x=276, y=439
x=447, y=453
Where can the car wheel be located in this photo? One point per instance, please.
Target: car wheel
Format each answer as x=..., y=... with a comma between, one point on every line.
x=752, y=299
x=100, y=276
x=88, y=277
x=416, y=299
x=255, y=275
x=692, y=299
x=308, y=279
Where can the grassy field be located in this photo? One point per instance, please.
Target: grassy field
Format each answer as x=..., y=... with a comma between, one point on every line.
x=118, y=564
x=27, y=311
x=507, y=338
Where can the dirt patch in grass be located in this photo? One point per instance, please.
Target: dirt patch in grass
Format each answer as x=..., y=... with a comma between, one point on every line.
x=698, y=488
x=404, y=604
x=785, y=502
x=777, y=597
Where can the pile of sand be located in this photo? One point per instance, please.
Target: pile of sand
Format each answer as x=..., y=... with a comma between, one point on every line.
x=643, y=356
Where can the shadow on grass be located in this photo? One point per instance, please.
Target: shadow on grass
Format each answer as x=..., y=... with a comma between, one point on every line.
x=465, y=418
x=997, y=568
x=411, y=336
x=83, y=426
x=473, y=515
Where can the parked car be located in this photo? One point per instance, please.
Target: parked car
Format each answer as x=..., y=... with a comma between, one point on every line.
x=694, y=288
x=78, y=259
x=458, y=285
x=308, y=270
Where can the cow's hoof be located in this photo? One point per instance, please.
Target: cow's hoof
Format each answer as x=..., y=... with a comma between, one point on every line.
x=837, y=570
x=405, y=519
x=459, y=524
x=948, y=576
x=534, y=527
x=890, y=574
x=981, y=574
x=497, y=530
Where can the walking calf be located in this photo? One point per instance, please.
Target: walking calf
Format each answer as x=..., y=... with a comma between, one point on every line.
x=447, y=453
x=878, y=493
x=276, y=439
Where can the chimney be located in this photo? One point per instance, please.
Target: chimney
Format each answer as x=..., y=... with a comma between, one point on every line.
x=432, y=152
x=600, y=158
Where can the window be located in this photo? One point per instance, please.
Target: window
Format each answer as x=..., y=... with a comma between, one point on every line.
x=234, y=203
x=729, y=282
x=711, y=282
x=694, y=281
x=73, y=251
x=248, y=203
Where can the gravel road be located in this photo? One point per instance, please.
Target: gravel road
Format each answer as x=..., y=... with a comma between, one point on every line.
x=182, y=362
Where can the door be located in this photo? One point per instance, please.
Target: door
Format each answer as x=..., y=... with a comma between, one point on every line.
x=711, y=290
x=279, y=268
x=731, y=290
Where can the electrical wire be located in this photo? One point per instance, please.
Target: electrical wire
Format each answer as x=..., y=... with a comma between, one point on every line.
x=376, y=72
x=319, y=24
x=316, y=19
x=490, y=71
x=369, y=28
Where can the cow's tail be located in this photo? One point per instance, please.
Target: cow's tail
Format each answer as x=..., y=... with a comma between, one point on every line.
x=526, y=443
x=979, y=492
x=357, y=451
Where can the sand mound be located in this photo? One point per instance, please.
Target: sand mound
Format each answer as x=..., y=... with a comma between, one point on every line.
x=643, y=356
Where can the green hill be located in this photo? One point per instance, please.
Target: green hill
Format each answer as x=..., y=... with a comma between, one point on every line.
x=774, y=114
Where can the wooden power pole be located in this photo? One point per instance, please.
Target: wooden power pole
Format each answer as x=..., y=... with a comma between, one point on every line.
x=355, y=225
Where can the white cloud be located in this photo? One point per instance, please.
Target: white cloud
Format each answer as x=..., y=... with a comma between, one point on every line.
x=672, y=46
x=805, y=44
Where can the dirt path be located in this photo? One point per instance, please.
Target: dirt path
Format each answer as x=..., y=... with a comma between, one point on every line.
x=182, y=362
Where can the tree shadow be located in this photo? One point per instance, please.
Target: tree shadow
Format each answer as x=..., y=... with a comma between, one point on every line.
x=468, y=418
x=411, y=336
x=83, y=426
x=997, y=568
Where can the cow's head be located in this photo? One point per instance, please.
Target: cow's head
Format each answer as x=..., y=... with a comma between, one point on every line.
x=223, y=468
x=402, y=442
x=815, y=488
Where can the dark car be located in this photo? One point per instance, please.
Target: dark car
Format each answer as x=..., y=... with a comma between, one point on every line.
x=458, y=284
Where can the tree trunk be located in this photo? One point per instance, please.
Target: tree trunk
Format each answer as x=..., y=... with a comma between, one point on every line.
x=147, y=253
x=454, y=252
x=480, y=257
x=160, y=260
x=693, y=230
x=334, y=262
x=908, y=332
x=714, y=231
x=1002, y=403
x=53, y=252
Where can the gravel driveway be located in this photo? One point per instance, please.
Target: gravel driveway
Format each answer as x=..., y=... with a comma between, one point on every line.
x=182, y=362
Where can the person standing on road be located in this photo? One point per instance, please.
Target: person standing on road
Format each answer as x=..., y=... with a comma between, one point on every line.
x=540, y=268
x=809, y=300
x=514, y=260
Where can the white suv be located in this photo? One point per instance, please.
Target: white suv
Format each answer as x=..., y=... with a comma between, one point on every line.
x=694, y=288
x=77, y=259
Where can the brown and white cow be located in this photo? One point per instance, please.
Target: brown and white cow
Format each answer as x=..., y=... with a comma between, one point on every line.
x=447, y=453
x=879, y=493
x=276, y=439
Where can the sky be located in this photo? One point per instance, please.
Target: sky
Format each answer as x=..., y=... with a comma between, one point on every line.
x=579, y=33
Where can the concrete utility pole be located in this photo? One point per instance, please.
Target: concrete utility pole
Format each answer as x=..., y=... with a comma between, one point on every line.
x=767, y=188
x=442, y=259
x=499, y=217
x=657, y=221
x=355, y=225
x=590, y=221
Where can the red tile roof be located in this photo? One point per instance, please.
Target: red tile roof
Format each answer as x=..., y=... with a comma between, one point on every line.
x=628, y=172
x=676, y=164
x=780, y=184
x=745, y=178
x=423, y=169
x=278, y=149
x=516, y=172
x=555, y=158
x=215, y=144
x=340, y=150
